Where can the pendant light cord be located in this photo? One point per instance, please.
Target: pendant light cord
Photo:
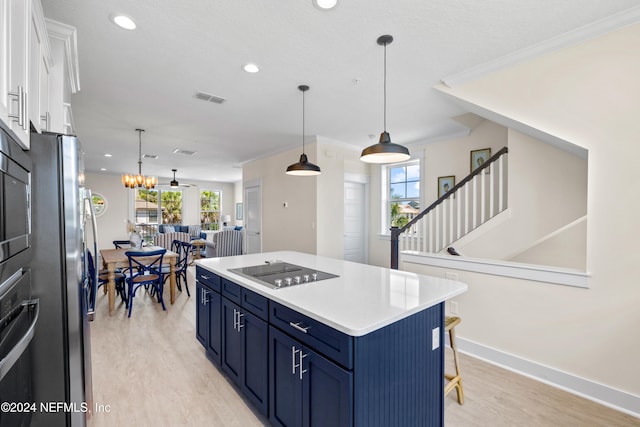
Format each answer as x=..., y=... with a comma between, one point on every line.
x=385, y=87
x=140, y=151
x=303, y=122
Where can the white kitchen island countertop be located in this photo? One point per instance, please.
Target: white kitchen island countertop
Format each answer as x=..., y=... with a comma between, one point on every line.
x=362, y=299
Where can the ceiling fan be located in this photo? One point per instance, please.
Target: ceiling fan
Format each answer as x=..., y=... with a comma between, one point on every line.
x=174, y=183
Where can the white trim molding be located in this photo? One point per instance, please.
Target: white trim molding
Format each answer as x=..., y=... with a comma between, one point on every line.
x=538, y=273
x=581, y=34
x=68, y=35
x=607, y=396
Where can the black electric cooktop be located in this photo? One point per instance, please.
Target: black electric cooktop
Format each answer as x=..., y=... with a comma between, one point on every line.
x=278, y=274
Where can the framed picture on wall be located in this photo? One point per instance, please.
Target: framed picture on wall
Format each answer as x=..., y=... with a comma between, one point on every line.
x=445, y=183
x=239, y=211
x=479, y=157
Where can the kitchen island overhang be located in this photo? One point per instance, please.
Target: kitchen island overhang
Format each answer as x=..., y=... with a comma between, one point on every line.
x=360, y=300
x=364, y=348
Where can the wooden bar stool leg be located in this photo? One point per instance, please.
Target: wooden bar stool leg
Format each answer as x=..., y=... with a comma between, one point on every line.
x=454, y=381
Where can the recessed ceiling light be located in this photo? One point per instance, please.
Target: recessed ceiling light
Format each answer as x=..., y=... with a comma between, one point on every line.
x=123, y=21
x=325, y=4
x=251, y=68
x=108, y=155
x=103, y=169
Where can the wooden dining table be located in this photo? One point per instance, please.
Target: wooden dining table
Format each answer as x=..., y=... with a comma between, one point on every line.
x=117, y=258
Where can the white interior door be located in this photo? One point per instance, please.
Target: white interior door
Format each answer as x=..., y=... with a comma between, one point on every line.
x=354, y=222
x=253, y=219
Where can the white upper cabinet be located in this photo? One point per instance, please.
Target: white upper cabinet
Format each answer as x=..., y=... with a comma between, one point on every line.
x=40, y=62
x=14, y=67
x=64, y=77
x=4, y=61
x=38, y=70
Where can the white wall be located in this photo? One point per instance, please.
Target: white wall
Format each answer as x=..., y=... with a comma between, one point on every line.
x=453, y=157
x=565, y=248
x=588, y=95
x=335, y=159
x=547, y=189
x=112, y=225
x=313, y=220
x=290, y=227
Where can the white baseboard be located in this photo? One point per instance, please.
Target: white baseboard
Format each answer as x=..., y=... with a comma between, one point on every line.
x=607, y=396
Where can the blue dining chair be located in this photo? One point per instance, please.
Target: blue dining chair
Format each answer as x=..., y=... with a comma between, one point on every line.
x=103, y=278
x=183, y=249
x=145, y=269
x=122, y=244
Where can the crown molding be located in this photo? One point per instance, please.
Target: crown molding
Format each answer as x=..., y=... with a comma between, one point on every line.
x=68, y=35
x=579, y=35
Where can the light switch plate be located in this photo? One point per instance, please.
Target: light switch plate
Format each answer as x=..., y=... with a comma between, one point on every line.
x=451, y=276
x=435, y=338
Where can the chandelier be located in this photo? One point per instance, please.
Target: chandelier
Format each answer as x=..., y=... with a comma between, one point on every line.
x=139, y=180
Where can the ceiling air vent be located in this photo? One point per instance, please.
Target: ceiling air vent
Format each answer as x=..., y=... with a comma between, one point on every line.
x=211, y=98
x=183, y=152
x=149, y=156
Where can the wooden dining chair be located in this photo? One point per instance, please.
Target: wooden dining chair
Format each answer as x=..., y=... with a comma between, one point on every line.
x=145, y=269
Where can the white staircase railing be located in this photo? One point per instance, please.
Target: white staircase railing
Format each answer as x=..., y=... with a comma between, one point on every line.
x=476, y=199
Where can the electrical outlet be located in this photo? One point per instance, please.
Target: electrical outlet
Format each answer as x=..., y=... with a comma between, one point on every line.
x=435, y=338
x=450, y=275
x=453, y=307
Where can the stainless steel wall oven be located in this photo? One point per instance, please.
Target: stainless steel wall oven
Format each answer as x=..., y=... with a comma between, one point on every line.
x=15, y=203
x=18, y=311
x=18, y=318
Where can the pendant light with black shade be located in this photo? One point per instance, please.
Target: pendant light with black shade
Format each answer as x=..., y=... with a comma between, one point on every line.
x=303, y=167
x=385, y=151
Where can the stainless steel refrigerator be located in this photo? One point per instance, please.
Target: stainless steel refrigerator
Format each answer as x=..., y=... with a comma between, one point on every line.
x=61, y=347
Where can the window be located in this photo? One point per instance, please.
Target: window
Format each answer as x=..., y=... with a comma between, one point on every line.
x=209, y=209
x=154, y=205
x=403, y=193
x=171, y=206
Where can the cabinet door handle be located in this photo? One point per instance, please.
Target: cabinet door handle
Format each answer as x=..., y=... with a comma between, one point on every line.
x=302, y=371
x=298, y=327
x=235, y=319
x=204, y=277
x=294, y=365
x=46, y=118
x=25, y=111
x=18, y=96
x=204, y=298
x=240, y=316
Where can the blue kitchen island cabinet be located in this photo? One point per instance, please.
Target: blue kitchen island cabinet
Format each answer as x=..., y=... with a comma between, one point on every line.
x=392, y=376
x=362, y=348
x=244, y=351
x=306, y=388
x=208, y=310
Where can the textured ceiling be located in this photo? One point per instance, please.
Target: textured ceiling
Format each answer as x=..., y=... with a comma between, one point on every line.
x=148, y=78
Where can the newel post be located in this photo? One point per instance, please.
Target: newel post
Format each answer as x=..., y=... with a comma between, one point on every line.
x=395, y=237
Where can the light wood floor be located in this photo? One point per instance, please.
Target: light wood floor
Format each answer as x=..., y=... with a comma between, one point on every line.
x=150, y=370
